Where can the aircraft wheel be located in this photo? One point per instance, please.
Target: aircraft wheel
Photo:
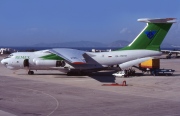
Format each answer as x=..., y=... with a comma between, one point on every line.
x=30, y=72
x=69, y=73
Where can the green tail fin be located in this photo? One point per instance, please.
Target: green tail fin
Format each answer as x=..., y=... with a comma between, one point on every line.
x=152, y=35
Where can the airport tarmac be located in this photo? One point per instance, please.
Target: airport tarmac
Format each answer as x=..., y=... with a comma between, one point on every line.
x=51, y=93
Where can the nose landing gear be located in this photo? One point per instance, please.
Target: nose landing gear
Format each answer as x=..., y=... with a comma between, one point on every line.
x=30, y=72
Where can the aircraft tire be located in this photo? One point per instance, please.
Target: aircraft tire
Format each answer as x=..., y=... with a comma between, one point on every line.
x=69, y=74
x=30, y=72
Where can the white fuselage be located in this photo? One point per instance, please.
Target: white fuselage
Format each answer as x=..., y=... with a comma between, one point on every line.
x=97, y=60
x=118, y=57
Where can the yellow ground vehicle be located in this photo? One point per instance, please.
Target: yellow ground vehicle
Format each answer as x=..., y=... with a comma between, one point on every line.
x=151, y=64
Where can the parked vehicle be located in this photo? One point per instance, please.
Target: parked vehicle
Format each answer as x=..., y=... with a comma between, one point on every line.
x=125, y=73
x=119, y=74
x=166, y=72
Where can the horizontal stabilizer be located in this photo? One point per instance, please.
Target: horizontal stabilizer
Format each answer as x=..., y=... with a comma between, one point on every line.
x=128, y=64
x=158, y=20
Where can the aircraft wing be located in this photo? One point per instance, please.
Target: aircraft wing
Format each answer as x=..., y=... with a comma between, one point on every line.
x=165, y=51
x=71, y=55
x=175, y=51
x=169, y=51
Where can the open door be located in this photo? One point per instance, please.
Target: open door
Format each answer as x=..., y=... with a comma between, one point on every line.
x=26, y=63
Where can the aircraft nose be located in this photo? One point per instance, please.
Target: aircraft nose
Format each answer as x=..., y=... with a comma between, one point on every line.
x=3, y=62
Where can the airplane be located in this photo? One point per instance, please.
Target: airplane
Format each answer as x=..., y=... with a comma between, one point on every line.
x=72, y=61
x=170, y=53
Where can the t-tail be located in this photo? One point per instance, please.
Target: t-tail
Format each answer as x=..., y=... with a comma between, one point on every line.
x=152, y=35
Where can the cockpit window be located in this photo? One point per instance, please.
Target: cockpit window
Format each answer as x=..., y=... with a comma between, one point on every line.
x=9, y=56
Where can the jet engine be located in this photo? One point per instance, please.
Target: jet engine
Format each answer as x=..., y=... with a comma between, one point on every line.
x=60, y=63
x=50, y=63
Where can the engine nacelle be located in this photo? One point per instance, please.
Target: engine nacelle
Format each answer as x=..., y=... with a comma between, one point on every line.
x=60, y=63
x=50, y=63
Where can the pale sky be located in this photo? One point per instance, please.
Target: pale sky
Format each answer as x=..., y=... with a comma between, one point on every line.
x=27, y=22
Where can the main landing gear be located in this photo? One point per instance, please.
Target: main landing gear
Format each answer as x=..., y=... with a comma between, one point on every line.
x=30, y=72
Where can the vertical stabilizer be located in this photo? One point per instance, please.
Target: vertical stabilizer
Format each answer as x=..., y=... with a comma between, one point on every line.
x=152, y=35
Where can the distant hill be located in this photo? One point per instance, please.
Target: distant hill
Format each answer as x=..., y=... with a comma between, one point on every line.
x=72, y=44
x=119, y=43
x=90, y=44
x=166, y=45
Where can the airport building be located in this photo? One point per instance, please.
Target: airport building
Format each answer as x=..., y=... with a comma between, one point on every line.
x=7, y=50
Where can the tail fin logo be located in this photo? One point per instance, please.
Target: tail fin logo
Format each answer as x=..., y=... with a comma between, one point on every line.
x=150, y=34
